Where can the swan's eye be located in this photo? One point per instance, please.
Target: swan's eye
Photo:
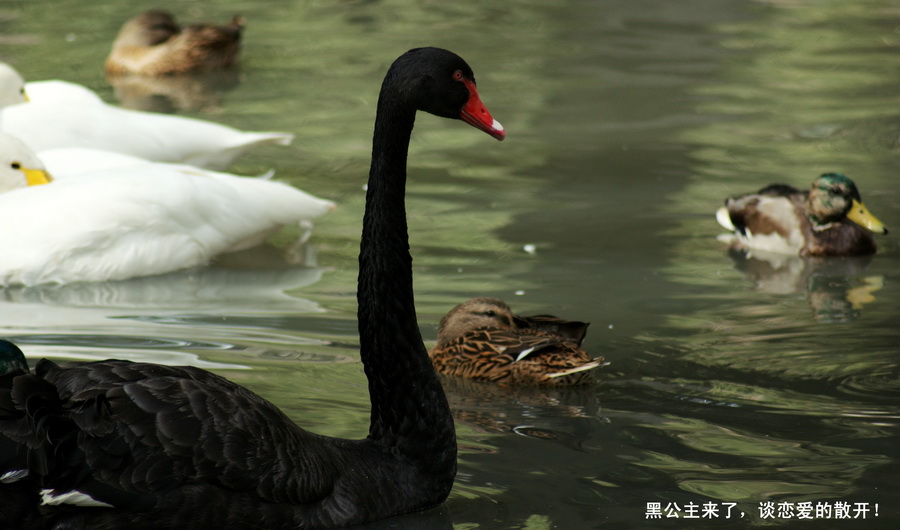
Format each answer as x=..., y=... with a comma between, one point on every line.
x=458, y=75
x=16, y=165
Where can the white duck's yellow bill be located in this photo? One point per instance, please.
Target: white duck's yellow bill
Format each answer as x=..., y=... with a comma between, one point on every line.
x=860, y=215
x=36, y=177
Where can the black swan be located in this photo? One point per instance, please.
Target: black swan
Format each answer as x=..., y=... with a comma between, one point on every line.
x=119, y=444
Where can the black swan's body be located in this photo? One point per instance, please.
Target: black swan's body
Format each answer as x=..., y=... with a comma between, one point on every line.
x=118, y=444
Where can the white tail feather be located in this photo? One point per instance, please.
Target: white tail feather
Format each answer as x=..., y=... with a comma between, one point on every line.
x=584, y=367
x=73, y=497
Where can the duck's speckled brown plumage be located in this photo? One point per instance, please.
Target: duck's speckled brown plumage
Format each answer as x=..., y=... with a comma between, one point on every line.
x=483, y=339
x=828, y=220
x=154, y=44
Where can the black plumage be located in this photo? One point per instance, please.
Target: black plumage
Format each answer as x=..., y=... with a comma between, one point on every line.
x=116, y=444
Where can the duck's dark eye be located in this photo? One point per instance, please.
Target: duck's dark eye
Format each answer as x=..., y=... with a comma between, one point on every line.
x=458, y=75
x=490, y=313
x=16, y=165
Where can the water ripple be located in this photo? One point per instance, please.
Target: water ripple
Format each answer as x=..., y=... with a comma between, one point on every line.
x=131, y=348
x=881, y=387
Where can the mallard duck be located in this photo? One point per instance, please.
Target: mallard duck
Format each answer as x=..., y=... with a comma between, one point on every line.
x=63, y=114
x=483, y=339
x=135, y=218
x=117, y=444
x=828, y=220
x=153, y=43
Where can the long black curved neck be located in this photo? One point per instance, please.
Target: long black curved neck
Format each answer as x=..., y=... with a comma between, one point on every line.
x=409, y=409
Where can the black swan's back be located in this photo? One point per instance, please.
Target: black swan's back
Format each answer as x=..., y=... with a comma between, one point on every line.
x=112, y=444
x=195, y=446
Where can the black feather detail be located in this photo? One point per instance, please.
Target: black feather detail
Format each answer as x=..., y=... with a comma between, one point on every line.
x=179, y=447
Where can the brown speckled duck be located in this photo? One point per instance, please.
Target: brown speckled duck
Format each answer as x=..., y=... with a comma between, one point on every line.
x=828, y=220
x=483, y=339
x=154, y=44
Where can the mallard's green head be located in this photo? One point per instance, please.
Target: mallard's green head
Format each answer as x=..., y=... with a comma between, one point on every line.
x=11, y=358
x=834, y=196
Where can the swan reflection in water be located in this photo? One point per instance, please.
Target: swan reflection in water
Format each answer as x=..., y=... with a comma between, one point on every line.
x=836, y=288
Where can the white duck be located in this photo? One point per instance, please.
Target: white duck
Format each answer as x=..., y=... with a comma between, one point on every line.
x=133, y=220
x=52, y=114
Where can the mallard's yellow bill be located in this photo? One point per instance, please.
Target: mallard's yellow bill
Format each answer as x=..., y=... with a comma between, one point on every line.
x=860, y=215
x=36, y=177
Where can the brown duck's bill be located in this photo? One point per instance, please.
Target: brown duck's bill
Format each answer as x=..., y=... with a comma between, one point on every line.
x=860, y=215
x=477, y=115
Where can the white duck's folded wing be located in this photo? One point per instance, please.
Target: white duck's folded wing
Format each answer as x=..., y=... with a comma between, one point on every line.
x=116, y=225
x=65, y=162
x=57, y=91
x=158, y=137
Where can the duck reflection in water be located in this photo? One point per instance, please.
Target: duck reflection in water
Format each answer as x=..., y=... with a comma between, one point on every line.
x=836, y=288
x=564, y=415
x=200, y=92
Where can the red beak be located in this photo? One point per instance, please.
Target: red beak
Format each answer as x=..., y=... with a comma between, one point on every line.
x=477, y=115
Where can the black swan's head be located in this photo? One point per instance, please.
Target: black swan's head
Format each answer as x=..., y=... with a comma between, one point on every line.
x=441, y=83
